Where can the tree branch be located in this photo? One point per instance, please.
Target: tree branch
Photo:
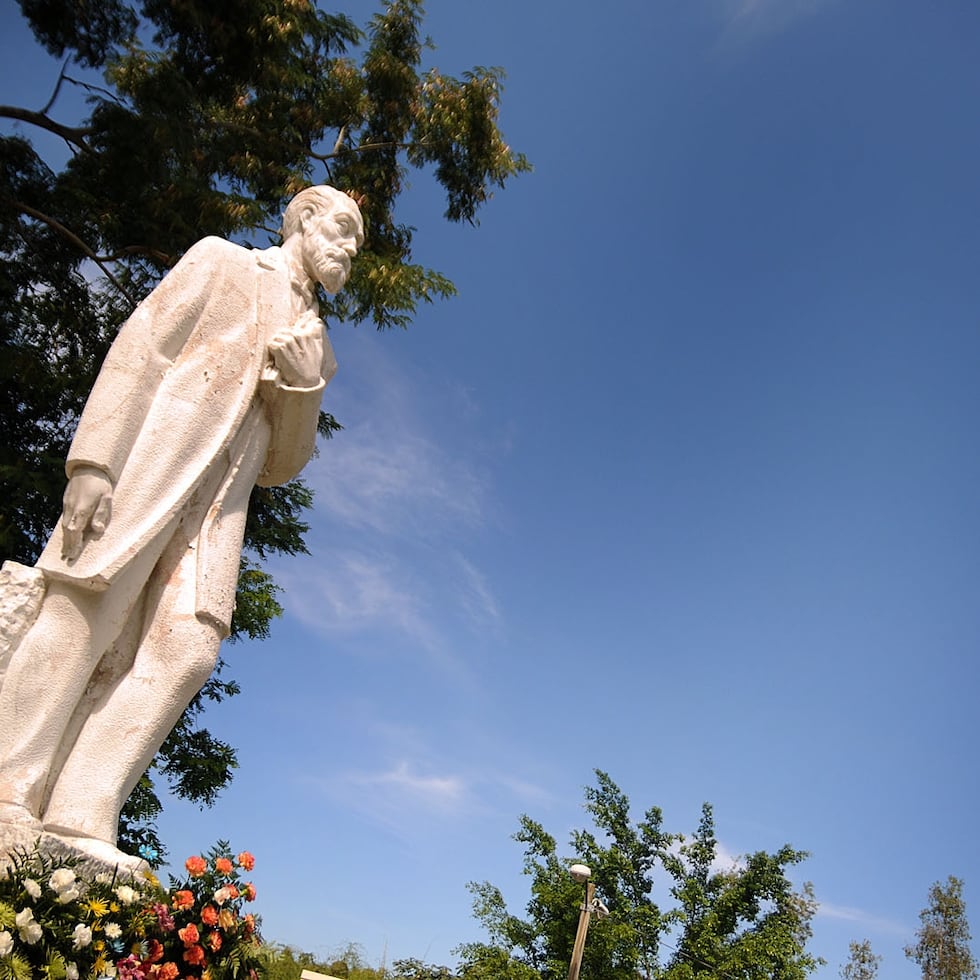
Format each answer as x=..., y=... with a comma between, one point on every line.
x=71, y=134
x=57, y=88
x=360, y=149
x=70, y=236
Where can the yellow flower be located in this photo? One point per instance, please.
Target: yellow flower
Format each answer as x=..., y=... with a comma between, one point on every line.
x=114, y=907
x=97, y=907
x=152, y=878
x=99, y=945
x=100, y=964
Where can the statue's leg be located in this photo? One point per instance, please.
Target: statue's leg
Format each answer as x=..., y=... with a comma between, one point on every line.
x=176, y=655
x=47, y=676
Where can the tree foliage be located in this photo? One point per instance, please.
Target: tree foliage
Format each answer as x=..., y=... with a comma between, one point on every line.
x=942, y=946
x=862, y=963
x=204, y=118
x=743, y=921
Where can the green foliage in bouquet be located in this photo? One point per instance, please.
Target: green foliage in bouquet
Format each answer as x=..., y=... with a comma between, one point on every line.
x=56, y=923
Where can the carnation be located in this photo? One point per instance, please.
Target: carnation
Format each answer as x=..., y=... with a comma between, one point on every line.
x=27, y=927
x=223, y=866
x=196, y=866
x=113, y=930
x=6, y=943
x=127, y=895
x=82, y=936
x=246, y=861
x=32, y=888
x=62, y=879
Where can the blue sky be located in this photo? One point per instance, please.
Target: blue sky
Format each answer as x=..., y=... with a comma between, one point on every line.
x=682, y=486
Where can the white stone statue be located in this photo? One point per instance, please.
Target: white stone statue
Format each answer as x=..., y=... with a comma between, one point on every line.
x=212, y=386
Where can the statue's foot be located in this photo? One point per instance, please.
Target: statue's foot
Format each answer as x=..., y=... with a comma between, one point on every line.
x=98, y=854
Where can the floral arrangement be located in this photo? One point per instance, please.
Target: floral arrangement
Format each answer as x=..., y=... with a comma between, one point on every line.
x=56, y=924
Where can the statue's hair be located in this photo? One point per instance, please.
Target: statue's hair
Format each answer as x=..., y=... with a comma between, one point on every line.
x=320, y=197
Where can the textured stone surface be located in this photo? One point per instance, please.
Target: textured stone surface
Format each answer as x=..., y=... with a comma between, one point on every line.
x=21, y=592
x=212, y=385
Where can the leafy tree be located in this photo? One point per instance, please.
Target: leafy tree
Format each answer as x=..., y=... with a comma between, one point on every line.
x=204, y=118
x=942, y=947
x=746, y=921
x=862, y=964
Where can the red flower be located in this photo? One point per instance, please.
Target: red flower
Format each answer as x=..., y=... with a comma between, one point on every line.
x=189, y=935
x=194, y=955
x=183, y=900
x=223, y=866
x=249, y=924
x=209, y=915
x=249, y=892
x=154, y=951
x=214, y=941
x=232, y=889
x=246, y=861
x=196, y=866
x=168, y=971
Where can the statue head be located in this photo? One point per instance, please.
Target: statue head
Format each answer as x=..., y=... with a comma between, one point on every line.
x=322, y=229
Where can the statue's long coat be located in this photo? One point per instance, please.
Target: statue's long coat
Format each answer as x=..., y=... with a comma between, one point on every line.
x=187, y=406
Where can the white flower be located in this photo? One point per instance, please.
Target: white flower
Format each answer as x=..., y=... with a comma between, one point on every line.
x=103, y=878
x=68, y=895
x=82, y=936
x=27, y=927
x=71, y=972
x=127, y=895
x=32, y=888
x=222, y=895
x=113, y=930
x=62, y=879
x=7, y=944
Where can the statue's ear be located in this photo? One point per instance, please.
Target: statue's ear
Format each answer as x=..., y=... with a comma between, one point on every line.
x=305, y=215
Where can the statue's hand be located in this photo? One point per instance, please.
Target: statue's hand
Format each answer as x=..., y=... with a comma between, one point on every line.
x=298, y=352
x=87, y=507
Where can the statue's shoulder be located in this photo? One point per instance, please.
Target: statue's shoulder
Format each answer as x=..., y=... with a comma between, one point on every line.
x=217, y=250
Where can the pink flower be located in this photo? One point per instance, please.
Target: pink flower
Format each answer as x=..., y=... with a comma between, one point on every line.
x=209, y=915
x=164, y=918
x=130, y=969
x=246, y=861
x=223, y=866
x=189, y=935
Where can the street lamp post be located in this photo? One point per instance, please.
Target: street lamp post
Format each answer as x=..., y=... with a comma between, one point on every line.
x=581, y=874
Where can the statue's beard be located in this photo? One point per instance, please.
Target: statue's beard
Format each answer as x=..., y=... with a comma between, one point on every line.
x=331, y=266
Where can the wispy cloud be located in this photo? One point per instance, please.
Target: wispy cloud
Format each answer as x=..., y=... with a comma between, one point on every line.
x=476, y=597
x=403, y=783
x=844, y=913
x=352, y=591
x=755, y=17
x=401, y=495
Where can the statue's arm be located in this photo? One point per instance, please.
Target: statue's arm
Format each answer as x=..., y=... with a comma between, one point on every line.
x=146, y=346
x=304, y=362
